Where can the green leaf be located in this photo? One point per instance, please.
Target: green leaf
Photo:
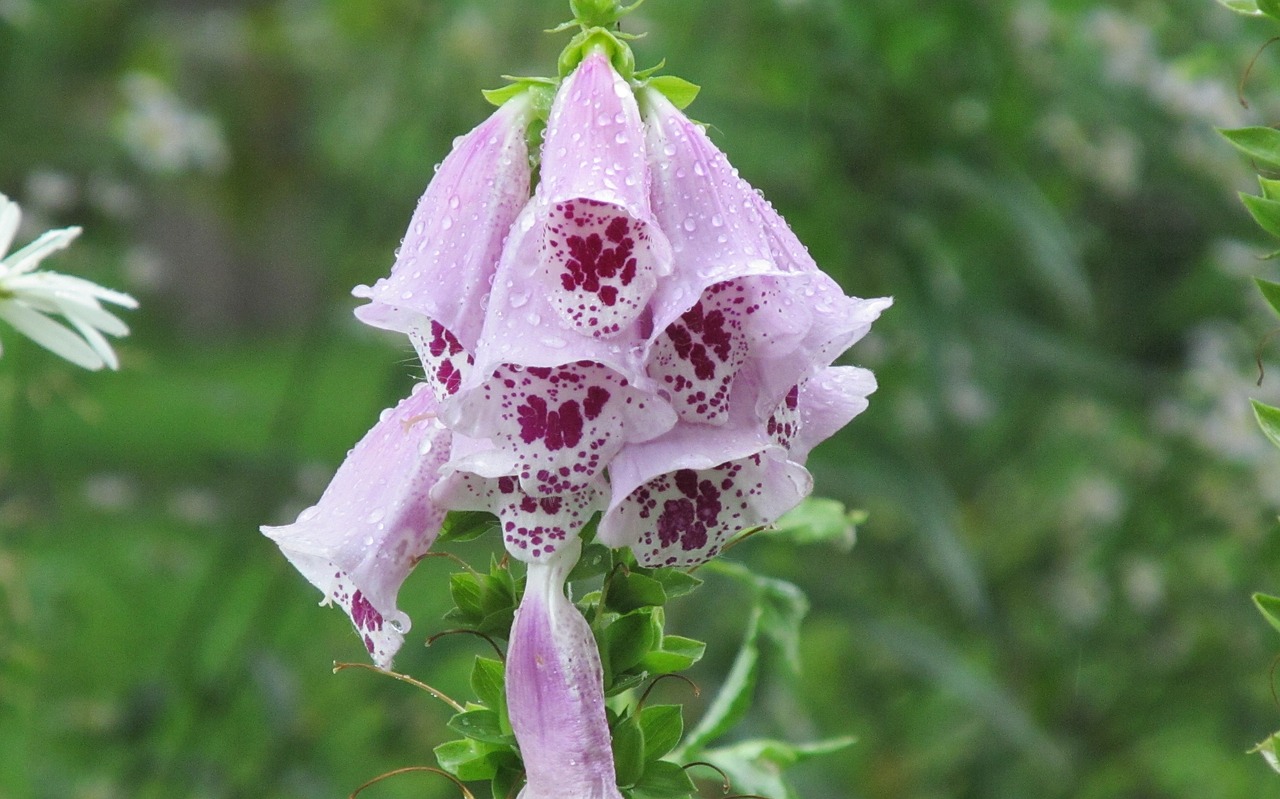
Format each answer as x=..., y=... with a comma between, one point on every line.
x=1269, y=7
x=627, y=640
x=628, y=750
x=632, y=591
x=662, y=726
x=624, y=682
x=506, y=781
x=1268, y=419
x=465, y=589
x=1247, y=7
x=466, y=525
x=818, y=520
x=470, y=760
x=664, y=780
x=678, y=90
x=1267, y=749
x=1270, y=607
x=675, y=582
x=480, y=724
x=1270, y=291
x=1265, y=212
x=756, y=766
x=595, y=559
x=487, y=680
x=676, y=653
x=1259, y=143
x=734, y=697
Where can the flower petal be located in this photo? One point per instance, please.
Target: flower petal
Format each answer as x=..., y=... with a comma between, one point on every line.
x=30, y=256
x=555, y=692
x=677, y=499
x=563, y=424
x=446, y=262
x=10, y=218
x=600, y=250
x=683, y=517
x=521, y=326
x=697, y=358
x=49, y=334
x=827, y=402
x=374, y=522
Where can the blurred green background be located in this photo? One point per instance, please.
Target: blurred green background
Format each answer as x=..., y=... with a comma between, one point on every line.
x=1069, y=502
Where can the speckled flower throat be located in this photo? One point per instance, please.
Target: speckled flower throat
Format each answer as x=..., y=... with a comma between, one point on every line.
x=636, y=355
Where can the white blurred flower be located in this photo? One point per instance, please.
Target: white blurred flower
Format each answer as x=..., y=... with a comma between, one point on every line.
x=29, y=297
x=165, y=136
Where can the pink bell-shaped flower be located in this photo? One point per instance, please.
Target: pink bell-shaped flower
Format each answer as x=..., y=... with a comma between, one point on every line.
x=440, y=283
x=678, y=499
x=374, y=522
x=555, y=691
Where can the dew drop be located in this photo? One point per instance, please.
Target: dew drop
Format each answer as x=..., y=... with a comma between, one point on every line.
x=454, y=202
x=689, y=224
x=446, y=223
x=697, y=169
x=518, y=299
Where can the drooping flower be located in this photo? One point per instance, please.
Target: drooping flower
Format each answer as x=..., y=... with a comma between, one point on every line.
x=374, y=522
x=440, y=283
x=745, y=365
x=555, y=691
x=30, y=297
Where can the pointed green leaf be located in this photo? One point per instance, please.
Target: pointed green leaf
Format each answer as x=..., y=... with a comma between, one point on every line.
x=1267, y=749
x=678, y=90
x=632, y=591
x=1269, y=7
x=480, y=724
x=487, y=680
x=1247, y=7
x=628, y=750
x=470, y=760
x=1259, y=143
x=627, y=640
x=676, y=653
x=819, y=520
x=1270, y=292
x=594, y=560
x=465, y=589
x=663, y=780
x=1270, y=607
x=506, y=781
x=1265, y=212
x=466, y=525
x=1268, y=419
x=675, y=582
x=662, y=726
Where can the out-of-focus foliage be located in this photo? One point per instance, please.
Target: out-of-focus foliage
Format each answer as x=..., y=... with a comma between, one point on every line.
x=1069, y=500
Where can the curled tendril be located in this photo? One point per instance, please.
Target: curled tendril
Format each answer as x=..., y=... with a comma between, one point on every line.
x=464, y=631
x=1257, y=353
x=450, y=556
x=337, y=667
x=696, y=690
x=1249, y=69
x=407, y=769
x=728, y=784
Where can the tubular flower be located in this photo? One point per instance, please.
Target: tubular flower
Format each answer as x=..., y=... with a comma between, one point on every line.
x=374, y=522
x=555, y=692
x=30, y=297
